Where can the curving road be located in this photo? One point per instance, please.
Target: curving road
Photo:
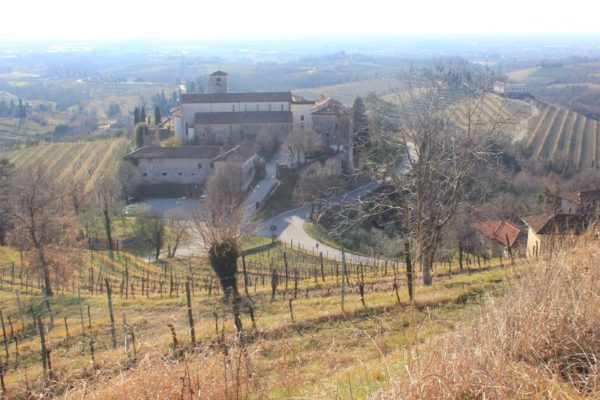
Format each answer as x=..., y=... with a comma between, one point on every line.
x=290, y=229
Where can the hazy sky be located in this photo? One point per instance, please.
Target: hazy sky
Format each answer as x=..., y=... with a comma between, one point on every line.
x=85, y=19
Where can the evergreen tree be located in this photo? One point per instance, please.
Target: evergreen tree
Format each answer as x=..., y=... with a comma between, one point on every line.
x=139, y=131
x=360, y=123
x=114, y=110
x=21, y=109
x=136, y=116
x=157, y=118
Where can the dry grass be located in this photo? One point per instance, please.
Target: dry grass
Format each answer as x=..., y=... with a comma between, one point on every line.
x=158, y=377
x=540, y=340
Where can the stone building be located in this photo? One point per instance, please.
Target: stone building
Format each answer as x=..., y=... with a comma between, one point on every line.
x=547, y=233
x=332, y=122
x=191, y=165
x=220, y=117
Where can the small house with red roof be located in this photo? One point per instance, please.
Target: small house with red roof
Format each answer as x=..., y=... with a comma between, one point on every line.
x=493, y=238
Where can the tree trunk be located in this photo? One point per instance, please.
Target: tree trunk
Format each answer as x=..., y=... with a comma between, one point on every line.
x=108, y=230
x=175, y=245
x=223, y=259
x=47, y=285
x=427, y=278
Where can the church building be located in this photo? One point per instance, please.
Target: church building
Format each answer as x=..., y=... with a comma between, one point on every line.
x=220, y=117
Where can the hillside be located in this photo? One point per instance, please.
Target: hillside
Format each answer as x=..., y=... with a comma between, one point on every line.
x=87, y=161
x=547, y=132
x=307, y=353
x=507, y=114
x=562, y=136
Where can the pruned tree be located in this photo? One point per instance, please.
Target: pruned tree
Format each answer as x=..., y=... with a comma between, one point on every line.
x=151, y=228
x=428, y=164
x=43, y=221
x=220, y=223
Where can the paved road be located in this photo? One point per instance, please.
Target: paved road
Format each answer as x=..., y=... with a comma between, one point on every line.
x=290, y=228
x=289, y=224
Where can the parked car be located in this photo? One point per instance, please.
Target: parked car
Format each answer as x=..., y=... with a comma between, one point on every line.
x=131, y=199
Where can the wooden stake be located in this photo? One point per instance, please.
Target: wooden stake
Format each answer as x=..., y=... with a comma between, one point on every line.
x=190, y=314
x=113, y=331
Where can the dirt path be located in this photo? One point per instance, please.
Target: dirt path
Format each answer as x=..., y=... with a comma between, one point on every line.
x=524, y=122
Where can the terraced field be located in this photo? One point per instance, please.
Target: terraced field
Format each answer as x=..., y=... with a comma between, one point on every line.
x=491, y=112
x=562, y=136
x=86, y=161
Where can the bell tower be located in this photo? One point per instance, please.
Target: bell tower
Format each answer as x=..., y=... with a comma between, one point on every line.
x=217, y=83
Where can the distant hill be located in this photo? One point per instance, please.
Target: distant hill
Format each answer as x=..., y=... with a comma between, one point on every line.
x=347, y=92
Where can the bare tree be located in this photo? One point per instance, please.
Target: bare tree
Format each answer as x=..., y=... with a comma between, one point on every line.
x=6, y=178
x=128, y=177
x=107, y=196
x=178, y=232
x=77, y=194
x=220, y=223
x=300, y=144
x=429, y=163
x=44, y=224
x=151, y=228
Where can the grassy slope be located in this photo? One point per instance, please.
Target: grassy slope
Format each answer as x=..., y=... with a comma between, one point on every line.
x=288, y=359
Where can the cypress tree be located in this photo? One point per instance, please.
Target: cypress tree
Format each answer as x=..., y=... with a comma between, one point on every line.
x=360, y=122
x=21, y=109
x=136, y=116
x=157, y=115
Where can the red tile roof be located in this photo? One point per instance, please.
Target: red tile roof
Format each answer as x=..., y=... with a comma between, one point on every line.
x=499, y=230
